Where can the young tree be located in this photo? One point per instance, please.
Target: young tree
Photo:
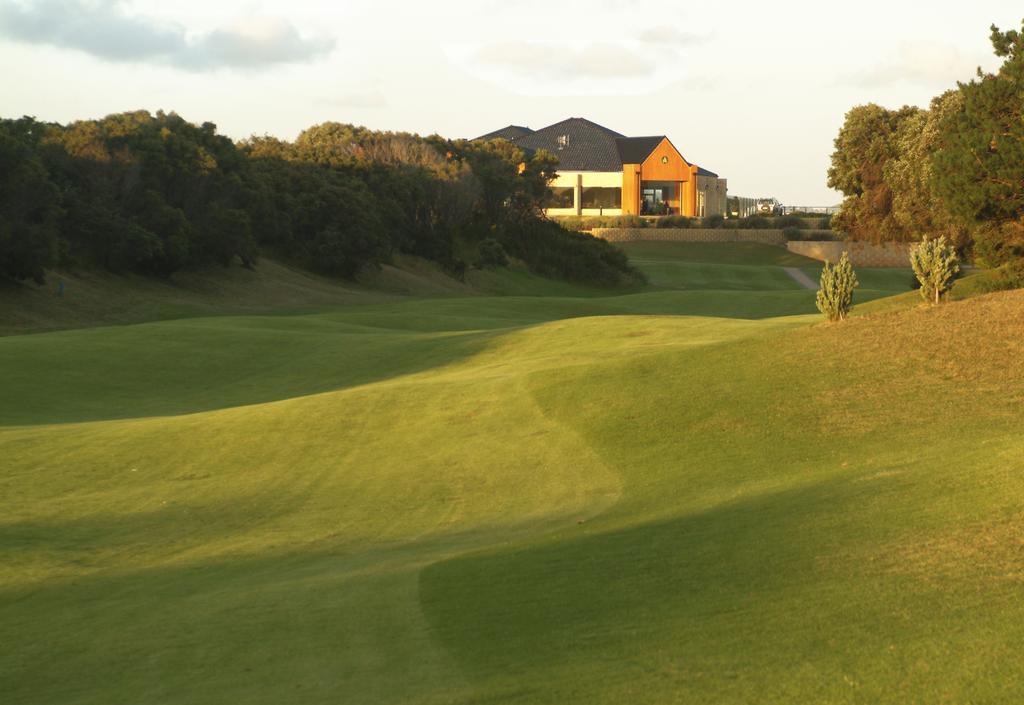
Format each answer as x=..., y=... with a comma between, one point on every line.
x=835, y=295
x=935, y=265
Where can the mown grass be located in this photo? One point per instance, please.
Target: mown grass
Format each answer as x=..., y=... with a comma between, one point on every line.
x=746, y=266
x=674, y=495
x=93, y=298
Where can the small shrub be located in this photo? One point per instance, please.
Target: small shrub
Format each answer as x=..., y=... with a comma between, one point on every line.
x=835, y=296
x=825, y=223
x=754, y=222
x=492, y=254
x=571, y=222
x=628, y=221
x=1013, y=274
x=935, y=265
x=454, y=267
x=551, y=251
x=791, y=233
x=1009, y=276
x=576, y=223
x=998, y=243
x=790, y=221
x=713, y=221
x=674, y=221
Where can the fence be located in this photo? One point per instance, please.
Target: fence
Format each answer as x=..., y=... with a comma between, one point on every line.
x=823, y=210
x=767, y=237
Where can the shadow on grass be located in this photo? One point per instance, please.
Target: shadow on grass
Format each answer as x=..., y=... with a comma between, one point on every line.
x=681, y=606
x=194, y=365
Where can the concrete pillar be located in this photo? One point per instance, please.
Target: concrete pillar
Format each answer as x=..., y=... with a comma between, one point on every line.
x=578, y=194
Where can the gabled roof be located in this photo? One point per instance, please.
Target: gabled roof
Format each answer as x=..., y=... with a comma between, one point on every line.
x=701, y=171
x=509, y=133
x=582, y=145
x=634, y=150
x=579, y=144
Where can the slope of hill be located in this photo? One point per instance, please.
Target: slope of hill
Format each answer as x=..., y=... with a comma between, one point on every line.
x=674, y=495
x=91, y=297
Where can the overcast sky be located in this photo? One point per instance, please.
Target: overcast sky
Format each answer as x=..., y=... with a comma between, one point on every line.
x=754, y=90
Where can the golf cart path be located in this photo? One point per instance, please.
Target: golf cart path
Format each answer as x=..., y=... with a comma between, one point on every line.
x=800, y=278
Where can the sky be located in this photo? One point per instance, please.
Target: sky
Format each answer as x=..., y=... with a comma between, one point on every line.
x=754, y=91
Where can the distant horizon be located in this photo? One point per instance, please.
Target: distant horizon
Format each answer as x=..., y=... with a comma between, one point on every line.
x=754, y=94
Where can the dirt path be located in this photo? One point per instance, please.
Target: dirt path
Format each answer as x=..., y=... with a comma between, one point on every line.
x=800, y=278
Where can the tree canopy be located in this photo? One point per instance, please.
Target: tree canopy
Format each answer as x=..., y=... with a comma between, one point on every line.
x=153, y=194
x=955, y=170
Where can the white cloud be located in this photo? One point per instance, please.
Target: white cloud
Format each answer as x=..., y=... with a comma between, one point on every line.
x=924, y=63
x=672, y=37
x=568, y=68
x=561, y=61
x=104, y=29
x=365, y=98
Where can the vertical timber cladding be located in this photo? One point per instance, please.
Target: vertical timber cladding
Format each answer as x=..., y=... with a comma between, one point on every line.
x=663, y=164
x=631, y=189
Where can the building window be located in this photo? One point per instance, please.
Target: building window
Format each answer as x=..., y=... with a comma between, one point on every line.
x=602, y=197
x=562, y=197
x=654, y=200
x=563, y=141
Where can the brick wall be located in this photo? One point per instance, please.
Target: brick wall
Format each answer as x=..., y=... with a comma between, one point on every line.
x=862, y=254
x=768, y=237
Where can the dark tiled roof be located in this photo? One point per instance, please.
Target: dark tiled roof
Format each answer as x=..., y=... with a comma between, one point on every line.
x=509, y=133
x=701, y=171
x=582, y=145
x=586, y=146
x=634, y=150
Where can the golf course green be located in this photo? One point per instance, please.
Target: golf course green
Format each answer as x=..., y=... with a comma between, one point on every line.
x=697, y=492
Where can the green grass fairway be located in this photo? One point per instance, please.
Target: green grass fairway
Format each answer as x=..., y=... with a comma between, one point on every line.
x=745, y=266
x=697, y=493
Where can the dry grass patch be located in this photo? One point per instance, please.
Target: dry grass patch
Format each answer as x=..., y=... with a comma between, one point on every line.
x=934, y=359
x=991, y=550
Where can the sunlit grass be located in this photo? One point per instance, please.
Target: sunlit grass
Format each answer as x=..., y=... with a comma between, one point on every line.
x=674, y=495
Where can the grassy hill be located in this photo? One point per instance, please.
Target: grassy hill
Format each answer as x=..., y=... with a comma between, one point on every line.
x=682, y=494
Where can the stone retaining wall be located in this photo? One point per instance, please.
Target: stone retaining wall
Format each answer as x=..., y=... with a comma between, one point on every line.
x=767, y=237
x=862, y=254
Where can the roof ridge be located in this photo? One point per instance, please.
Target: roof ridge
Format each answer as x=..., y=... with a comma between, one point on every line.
x=604, y=129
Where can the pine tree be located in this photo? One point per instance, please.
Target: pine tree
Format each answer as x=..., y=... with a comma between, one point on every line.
x=978, y=170
x=835, y=295
x=935, y=265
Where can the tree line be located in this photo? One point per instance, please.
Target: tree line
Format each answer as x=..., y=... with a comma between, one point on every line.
x=955, y=170
x=153, y=194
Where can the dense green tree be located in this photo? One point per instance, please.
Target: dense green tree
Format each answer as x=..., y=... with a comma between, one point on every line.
x=916, y=207
x=29, y=209
x=979, y=165
x=154, y=194
x=955, y=170
x=139, y=189
x=228, y=233
x=867, y=141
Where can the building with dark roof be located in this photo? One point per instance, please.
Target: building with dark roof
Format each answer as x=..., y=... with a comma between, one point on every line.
x=601, y=171
x=506, y=133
